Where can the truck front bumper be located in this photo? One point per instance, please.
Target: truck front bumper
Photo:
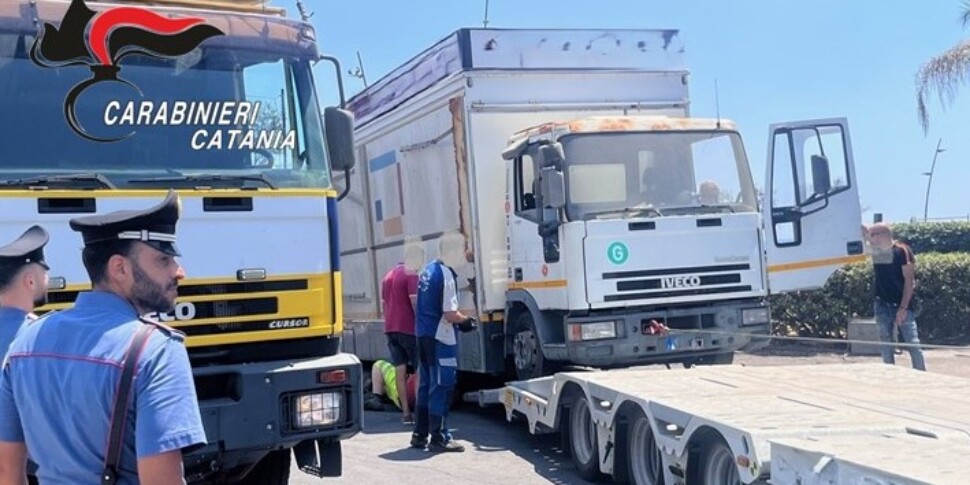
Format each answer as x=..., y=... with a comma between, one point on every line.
x=692, y=332
x=251, y=409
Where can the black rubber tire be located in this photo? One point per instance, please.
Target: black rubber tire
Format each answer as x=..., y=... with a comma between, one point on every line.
x=715, y=464
x=643, y=469
x=583, y=444
x=527, y=336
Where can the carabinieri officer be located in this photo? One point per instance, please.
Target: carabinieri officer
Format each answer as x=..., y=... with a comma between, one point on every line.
x=23, y=281
x=63, y=392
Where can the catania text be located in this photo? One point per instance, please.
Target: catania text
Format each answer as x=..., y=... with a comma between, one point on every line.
x=219, y=115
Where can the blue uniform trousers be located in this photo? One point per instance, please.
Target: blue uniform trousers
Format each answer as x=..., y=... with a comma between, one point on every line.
x=437, y=371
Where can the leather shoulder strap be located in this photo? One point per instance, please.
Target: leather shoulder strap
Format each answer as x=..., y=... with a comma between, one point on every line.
x=119, y=411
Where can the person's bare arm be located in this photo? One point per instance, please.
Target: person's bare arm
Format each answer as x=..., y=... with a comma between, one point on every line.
x=909, y=284
x=13, y=463
x=161, y=469
x=455, y=317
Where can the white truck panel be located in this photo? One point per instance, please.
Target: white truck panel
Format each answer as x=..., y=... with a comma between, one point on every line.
x=554, y=49
x=539, y=91
x=884, y=459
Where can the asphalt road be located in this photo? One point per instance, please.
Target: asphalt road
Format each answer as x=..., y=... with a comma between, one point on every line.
x=496, y=452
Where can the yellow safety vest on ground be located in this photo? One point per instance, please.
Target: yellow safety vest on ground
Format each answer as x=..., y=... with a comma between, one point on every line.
x=390, y=380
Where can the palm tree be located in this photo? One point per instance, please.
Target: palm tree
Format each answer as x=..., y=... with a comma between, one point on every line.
x=944, y=73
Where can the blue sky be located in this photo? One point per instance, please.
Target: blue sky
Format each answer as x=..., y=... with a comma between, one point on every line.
x=773, y=61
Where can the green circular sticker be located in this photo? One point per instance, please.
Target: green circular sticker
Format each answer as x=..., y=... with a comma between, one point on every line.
x=618, y=253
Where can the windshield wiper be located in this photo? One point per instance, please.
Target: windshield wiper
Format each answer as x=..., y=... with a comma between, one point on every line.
x=205, y=177
x=629, y=210
x=704, y=208
x=44, y=181
x=729, y=207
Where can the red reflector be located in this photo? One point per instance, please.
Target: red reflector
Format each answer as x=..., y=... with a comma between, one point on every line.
x=332, y=376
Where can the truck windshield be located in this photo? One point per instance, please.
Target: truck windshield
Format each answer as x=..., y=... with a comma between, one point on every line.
x=223, y=115
x=619, y=175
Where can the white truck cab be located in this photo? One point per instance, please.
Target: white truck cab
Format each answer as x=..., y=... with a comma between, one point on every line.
x=639, y=238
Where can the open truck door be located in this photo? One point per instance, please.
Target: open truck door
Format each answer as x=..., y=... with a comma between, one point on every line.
x=810, y=208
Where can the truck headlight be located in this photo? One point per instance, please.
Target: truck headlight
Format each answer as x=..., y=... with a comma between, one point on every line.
x=592, y=331
x=754, y=316
x=317, y=409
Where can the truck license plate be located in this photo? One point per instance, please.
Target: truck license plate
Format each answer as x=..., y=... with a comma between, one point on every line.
x=697, y=343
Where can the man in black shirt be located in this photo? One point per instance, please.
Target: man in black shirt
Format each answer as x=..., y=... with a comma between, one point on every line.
x=894, y=274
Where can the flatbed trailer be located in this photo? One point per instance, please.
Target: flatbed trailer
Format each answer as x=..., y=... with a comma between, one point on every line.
x=725, y=425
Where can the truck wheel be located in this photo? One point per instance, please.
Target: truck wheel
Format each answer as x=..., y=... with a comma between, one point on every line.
x=716, y=463
x=724, y=358
x=527, y=349
x=582, y=440
x=645, y=463
x=273, y=469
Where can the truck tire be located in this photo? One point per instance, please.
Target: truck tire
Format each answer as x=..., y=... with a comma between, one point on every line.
x=527, y=354
x=715, y=465
x=583, y=446
x=273, y=469
x=645, y=462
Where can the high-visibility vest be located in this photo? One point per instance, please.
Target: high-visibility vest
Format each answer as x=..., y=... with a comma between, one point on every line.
x=390, y=380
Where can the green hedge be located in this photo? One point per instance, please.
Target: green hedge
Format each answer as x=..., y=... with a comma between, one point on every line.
x=942, y=282
x=935, y=237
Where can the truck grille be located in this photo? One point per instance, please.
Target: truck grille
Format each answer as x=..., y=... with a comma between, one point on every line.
x=56, y=297
x=674, y=282
x=238, y=303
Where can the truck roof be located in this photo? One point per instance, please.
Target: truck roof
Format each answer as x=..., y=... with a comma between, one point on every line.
x=644, y=50
x=597, y=124
x=235, y=19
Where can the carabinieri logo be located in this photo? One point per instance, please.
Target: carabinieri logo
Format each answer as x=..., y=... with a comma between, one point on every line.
x=111, y=35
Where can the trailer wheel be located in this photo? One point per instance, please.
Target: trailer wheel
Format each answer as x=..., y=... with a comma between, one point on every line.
x=716, y=463
x=582, y=440
x=527, y=349
x=273, y=469
x=645, y=462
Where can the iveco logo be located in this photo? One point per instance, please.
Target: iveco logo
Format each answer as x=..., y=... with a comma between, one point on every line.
x=183, y=311
x=680, y=281
x=291, y=323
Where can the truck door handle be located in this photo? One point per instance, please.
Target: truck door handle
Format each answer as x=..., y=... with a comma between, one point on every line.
x=518, y=274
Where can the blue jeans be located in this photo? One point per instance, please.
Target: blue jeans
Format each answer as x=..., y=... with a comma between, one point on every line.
x=437, y=373
x=886, y=320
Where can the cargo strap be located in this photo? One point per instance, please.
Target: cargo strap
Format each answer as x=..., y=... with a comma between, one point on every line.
x=119, y=412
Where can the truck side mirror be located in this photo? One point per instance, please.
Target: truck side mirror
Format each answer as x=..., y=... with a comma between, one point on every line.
x=552, y=186
x=551, y=156
x=820, y=175
x=339, y=125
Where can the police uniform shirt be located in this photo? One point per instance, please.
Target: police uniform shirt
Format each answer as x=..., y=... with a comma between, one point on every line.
x=58, y=386
x=437, y=294
x=11, y=319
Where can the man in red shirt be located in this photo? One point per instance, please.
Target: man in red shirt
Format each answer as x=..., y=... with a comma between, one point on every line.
x=399, y=293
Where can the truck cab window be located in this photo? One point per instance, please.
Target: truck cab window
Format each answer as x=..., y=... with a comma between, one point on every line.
x=526, y=188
